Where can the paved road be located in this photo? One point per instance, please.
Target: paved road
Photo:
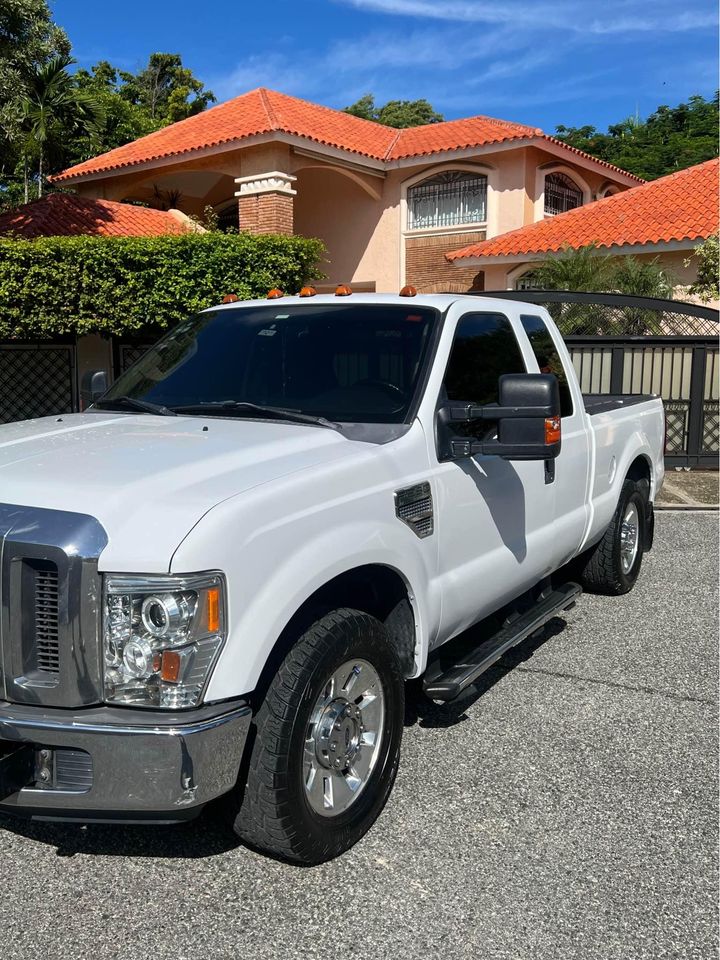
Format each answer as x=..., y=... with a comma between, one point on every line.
x=565, y=809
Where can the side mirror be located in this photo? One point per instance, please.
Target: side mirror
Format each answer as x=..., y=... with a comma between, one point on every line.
x=93, y=385
x=527, y=417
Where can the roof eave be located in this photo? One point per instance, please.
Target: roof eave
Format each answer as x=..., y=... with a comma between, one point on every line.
x=373, y=164
x=536, y=256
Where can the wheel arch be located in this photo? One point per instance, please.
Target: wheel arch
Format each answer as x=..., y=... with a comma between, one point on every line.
x=641, y=469
x=374, y=588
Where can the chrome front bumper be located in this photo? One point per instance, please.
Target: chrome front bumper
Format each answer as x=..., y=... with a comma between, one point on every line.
x=125, y=764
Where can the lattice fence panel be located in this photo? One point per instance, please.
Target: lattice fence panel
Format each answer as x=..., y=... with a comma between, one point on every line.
x=35, y=381
x=129, y=353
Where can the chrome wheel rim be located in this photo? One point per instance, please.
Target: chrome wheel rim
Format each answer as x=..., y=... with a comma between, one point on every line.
x=343, y=738
x=629, y=538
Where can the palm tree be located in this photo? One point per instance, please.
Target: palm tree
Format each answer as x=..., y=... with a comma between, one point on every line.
x=585, y=269
x=54, y=105
x=581, y=270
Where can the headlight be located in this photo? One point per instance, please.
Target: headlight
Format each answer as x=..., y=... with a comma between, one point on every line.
x=161, y=638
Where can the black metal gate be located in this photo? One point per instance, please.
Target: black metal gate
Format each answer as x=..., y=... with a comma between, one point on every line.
x=36, y=380
x=634, y=345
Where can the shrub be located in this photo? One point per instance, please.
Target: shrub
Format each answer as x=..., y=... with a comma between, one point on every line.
x=120, y=285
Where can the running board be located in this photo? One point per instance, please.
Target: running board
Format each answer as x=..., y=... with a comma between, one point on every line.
x=448, y=683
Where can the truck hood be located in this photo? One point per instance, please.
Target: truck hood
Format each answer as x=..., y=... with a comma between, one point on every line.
x=149, y=479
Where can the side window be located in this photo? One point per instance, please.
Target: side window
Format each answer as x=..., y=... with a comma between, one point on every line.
x=548, y=358
x=484, y=348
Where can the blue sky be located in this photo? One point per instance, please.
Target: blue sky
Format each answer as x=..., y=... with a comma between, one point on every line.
x=542, y=62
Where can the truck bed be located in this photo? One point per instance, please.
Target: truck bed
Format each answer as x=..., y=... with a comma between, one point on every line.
x=604, y=402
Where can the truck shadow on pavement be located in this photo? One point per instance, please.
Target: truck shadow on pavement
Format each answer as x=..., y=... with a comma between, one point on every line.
x=208, y=835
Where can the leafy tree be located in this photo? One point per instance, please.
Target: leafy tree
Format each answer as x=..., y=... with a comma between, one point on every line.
x=53, y=106
x=395, y=113
x=123, y=121
x=166, y=90
x=671, y=139
x=28, y=37
x=707, y=285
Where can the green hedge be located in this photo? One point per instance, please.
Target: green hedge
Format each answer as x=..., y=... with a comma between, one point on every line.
x=60, y=285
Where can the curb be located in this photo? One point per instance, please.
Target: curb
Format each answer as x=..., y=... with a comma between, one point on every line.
x=684, y=507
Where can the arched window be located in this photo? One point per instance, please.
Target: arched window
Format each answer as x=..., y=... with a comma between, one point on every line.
x=447, y=199
x=561, y=193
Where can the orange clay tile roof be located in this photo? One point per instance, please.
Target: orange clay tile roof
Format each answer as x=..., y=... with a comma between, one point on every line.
x=64, y=215
x=681, y=206
x=265, y=111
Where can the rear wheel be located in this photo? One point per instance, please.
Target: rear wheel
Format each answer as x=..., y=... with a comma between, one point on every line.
x=327, y=742
x=613, y=565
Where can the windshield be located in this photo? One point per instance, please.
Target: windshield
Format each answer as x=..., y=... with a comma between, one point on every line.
x=358, y=363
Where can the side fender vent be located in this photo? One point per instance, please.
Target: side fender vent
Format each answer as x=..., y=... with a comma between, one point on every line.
x=414, y=506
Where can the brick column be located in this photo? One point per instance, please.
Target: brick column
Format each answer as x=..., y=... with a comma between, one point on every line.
x=265, y=202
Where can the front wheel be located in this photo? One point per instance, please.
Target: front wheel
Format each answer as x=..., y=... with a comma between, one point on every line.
x=327, y=742
x=613, y=564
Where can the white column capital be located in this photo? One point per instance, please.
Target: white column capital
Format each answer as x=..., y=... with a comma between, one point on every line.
x=274, y=182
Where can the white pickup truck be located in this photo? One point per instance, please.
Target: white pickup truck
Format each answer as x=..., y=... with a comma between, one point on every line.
x=216, y=580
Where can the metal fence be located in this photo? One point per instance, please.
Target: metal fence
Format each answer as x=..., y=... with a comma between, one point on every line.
x=36, y=380
x=638, y=345
x=125, y=354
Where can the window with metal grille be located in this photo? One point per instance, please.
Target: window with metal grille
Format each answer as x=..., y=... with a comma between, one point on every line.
x=561, y=193
x=448, y=199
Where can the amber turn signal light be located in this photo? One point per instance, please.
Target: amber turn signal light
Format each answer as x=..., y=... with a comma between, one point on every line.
x=307, y=292
x=213, y=610
x=408, y=291
x=343, y=290
x=274, y=294
x=170, y=668
x=230, y=298
x=552, y=430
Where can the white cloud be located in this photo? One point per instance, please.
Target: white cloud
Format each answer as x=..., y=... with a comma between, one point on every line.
x=619, y=16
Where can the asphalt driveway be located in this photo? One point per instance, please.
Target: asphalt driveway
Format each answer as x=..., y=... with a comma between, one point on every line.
x=566, y=808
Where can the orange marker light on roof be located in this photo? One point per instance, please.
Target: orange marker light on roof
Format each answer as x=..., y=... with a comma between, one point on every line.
x=343, y=290
x=408, y=291
x=307, y=292
x=552, y=430
x=230, y=298
x=275, y=294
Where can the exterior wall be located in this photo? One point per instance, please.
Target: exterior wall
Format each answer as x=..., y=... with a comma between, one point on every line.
x=427, y=269
x=343, y=214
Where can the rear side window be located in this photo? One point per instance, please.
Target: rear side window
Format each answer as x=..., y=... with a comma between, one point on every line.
x=484, y=348
x=548, y=358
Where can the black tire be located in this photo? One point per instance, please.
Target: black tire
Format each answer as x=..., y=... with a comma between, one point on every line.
x=270, y=810
x=603, y=570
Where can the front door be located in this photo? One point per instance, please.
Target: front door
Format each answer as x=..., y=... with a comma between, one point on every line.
x=494, y=516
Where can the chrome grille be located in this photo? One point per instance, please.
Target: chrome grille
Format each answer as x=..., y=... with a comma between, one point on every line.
x=47, y=645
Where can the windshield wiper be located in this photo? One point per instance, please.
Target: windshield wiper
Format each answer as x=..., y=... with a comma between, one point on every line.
x=240, y=407
x=142, y=406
